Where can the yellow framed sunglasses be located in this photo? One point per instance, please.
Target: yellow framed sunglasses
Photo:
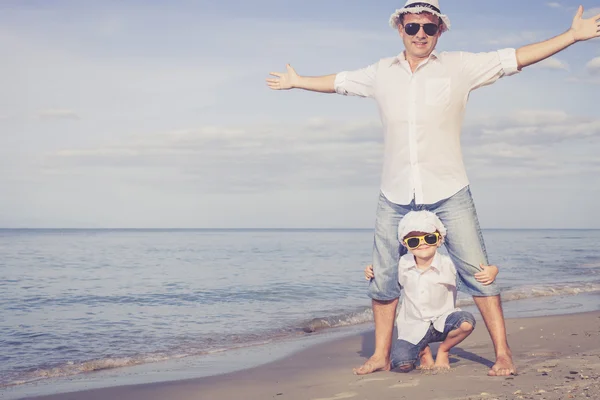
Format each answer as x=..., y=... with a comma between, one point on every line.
x=415, y=241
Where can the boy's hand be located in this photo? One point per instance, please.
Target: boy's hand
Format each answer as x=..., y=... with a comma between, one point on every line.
x=369, y=272
x=487, y=275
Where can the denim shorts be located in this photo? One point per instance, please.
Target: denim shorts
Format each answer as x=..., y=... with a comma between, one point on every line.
x=464, y=243
x=405, y=353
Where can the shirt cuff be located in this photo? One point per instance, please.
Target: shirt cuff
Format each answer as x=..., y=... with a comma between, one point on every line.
x=338, y=83
x=508, y=60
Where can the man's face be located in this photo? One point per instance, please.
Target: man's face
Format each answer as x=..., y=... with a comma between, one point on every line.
x=420, y=45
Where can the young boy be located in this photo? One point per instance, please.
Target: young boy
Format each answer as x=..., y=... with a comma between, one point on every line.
x=428, y=313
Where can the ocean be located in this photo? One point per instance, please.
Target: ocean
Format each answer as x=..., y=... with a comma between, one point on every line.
x=74, y=302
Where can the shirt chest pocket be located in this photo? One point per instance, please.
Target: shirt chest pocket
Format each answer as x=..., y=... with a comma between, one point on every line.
x=437, y=91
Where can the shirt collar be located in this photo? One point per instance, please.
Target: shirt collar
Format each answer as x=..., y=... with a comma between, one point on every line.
x=408, y=262
x=402, y=57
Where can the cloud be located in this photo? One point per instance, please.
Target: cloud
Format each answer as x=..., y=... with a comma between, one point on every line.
x=316, y=154
x=591, y=12
x=58, y=114
x=552, y=63
x=324, y=153
x=586, y=14
x=534, y=127
x=532, y=143
x=512, y=39
x=593, y=66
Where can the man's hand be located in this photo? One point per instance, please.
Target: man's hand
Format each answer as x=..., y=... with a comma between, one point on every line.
x=487, y=275
x=584, y=29
x=369, y=272
x=283, y=81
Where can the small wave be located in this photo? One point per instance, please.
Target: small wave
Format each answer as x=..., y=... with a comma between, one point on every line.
x=590, y=265
x=530, y=292
x=520, y=293
x=567, y=289
x=71, y=368
x=336, y=321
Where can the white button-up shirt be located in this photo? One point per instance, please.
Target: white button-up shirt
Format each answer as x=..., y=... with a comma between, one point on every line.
x=429, y=296
x=422, y=115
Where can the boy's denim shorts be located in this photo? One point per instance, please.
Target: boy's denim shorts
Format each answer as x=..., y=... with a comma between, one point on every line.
x=464, y=243
x=405, y=353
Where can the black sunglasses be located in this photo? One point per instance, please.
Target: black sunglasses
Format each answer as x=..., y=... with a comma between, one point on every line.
x=412, y=28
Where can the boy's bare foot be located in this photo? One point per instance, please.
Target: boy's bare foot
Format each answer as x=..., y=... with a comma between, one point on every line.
x=373, y=364
x=504, y=366
x=442, y=360
x=426, y=359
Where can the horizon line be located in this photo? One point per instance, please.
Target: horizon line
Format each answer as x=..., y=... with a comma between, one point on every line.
x=257, y=229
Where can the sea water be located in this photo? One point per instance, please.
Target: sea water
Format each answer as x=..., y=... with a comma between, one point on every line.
x=76, y=301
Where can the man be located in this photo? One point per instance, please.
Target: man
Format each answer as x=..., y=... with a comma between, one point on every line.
x=422, y=96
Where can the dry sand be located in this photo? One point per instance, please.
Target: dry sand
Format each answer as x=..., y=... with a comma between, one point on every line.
x=558, y=358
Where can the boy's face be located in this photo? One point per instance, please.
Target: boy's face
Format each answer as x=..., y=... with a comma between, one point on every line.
x=428, y=243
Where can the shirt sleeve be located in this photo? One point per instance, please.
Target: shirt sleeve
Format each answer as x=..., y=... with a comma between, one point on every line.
x=360, y=82
x=483, y=69
x=402, y=268
x=448, y=273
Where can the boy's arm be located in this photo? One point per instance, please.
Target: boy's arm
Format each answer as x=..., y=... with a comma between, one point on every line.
x=581, y=29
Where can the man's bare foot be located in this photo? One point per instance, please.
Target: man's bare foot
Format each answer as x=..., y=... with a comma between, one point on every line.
x=373, y=364
x=504, y=367
x=426, y=359
x=442, y=360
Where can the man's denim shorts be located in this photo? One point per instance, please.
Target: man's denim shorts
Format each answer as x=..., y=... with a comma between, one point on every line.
x=463, y=241
x=405, y=353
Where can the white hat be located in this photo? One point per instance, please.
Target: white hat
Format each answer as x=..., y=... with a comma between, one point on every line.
x=420, y=221
x=416, y=7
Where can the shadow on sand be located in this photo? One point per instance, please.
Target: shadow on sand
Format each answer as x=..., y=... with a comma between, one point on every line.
x=368, y=346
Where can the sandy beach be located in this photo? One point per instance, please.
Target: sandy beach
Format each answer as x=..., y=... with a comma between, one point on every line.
x=558, y=358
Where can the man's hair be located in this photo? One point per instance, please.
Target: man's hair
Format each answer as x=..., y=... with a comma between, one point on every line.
x=401, y=19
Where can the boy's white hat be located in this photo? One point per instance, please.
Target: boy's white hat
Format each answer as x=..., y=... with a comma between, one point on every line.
x=416, y=7
x=420, y=221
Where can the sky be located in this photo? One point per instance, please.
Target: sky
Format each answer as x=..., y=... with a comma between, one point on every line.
x=154, y=114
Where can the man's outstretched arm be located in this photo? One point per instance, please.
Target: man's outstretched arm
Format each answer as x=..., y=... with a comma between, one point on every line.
x=291, y=80
x=581, y=29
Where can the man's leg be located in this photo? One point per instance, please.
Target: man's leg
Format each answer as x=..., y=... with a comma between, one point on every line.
x=384, y=313
x=384, y=289
x=490, y=308
x=466, y=247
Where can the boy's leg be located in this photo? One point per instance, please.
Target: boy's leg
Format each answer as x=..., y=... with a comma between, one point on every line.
x=404, y=355
x=458, y=326
x=466, y=247
x=426, y=358
x=384, y=288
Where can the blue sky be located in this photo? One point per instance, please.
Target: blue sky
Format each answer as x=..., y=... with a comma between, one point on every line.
x=155, y=114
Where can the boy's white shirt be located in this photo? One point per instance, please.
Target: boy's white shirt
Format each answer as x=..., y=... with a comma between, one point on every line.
x=428, y=296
